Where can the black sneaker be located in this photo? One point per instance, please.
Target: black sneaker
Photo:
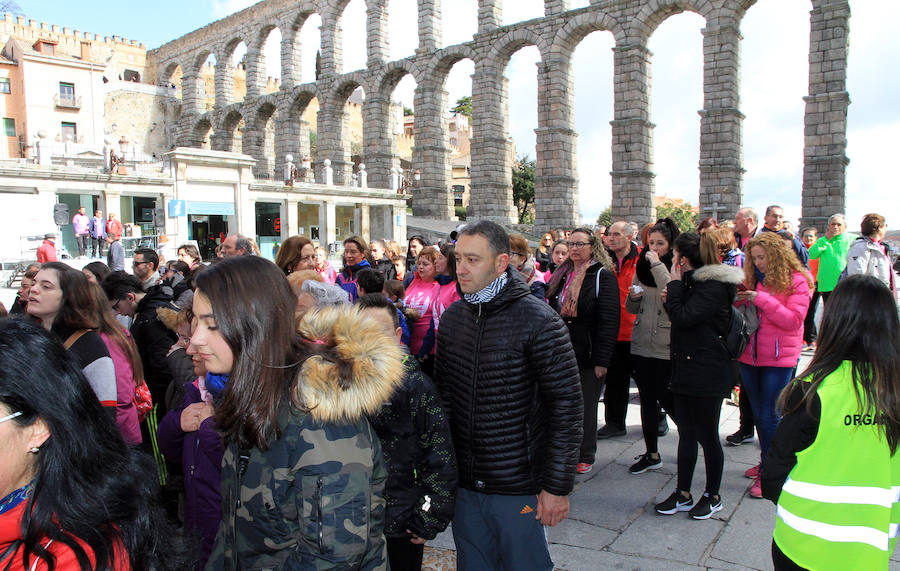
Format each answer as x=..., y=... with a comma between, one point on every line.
x=739, y=437
x=675, y=503
x=706, y=506
x=662, y=428
x=610, y=431
x=645, y=462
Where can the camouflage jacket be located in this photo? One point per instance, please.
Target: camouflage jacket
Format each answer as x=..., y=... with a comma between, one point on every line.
x=314, y=498
x=415, y=440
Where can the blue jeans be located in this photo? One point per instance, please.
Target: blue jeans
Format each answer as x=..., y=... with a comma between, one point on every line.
x=763, y=385
x=494, y=532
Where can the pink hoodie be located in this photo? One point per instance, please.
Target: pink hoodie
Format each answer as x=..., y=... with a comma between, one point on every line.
x=445, y=299
x=421, y=297
x=779, y=339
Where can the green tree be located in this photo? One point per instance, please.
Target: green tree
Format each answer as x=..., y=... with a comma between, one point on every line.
x=682, y=214
x=463, y=106
x=318, y=64
x=523, y=186
x=605, y=218
x=407, y=111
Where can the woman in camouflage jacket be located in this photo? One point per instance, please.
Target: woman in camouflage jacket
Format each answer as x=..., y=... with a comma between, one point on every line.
x=302, y=476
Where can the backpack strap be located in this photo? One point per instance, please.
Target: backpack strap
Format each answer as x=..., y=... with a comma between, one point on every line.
x=73, y=338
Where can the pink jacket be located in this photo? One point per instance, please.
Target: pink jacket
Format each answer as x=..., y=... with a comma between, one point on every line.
x=445, y=299
x=421, y=297
x=126, y=413
x=779, y=339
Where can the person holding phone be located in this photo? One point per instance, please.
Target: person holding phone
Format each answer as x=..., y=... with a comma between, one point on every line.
x=698, y=301
x=779, y=286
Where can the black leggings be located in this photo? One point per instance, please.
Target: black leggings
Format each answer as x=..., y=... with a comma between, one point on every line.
x=698, y=422
x=652, y=379
x=591, y=386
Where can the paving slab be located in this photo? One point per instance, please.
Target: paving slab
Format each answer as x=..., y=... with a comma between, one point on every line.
x=614, y=497
x=576, y=533
x=670, y=538
x=747, y=539
x=570, y=558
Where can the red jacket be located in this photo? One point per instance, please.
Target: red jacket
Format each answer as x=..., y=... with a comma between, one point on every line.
x=625, y=269
x=46, y=252
x=114, y=227
x=11, y=530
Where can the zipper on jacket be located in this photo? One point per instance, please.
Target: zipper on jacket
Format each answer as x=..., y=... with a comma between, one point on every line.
x=478, y=333
x=318, y=507
x=194, y=458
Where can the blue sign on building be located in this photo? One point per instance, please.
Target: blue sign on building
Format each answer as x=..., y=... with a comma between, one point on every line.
x=177, y=209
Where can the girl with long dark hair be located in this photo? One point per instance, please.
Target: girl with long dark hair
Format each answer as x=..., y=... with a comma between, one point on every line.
x=832, y=466
x=650, y=353
x=698, y=301
x=302, y=475
x=61, y=298
x=356, y=257
x=73, y=495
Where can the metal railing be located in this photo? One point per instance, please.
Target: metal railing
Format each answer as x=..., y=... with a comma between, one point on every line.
x=67, y=102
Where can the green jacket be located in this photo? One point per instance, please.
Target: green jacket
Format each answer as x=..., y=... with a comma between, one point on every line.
x=314, y=498
x=832, y=256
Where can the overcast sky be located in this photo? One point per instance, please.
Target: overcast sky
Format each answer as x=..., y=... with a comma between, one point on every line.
x=774, y=76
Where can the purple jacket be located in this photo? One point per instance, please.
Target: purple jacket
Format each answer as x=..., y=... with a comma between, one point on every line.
x=200, y=454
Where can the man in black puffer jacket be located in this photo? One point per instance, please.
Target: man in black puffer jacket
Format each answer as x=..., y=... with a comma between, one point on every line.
x=509, y=379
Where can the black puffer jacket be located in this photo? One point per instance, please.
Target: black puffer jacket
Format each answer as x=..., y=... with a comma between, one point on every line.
x=593, y=331
x=699, y=307
x=415, y=442
x=510, y=383
x=153, y=340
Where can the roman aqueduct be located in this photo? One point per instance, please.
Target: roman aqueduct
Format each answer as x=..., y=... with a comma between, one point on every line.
x=556, y=35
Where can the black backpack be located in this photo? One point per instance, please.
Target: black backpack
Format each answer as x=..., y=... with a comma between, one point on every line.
x=737, y=335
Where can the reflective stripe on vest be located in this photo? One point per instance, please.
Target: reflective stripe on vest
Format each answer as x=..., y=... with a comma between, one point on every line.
x=839, y=533
x=843, y=494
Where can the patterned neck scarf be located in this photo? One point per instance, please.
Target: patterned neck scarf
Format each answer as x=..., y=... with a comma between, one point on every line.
x=489, y=292
x=16, y=497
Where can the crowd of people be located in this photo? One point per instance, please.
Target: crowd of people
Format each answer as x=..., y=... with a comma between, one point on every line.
x=244, y=414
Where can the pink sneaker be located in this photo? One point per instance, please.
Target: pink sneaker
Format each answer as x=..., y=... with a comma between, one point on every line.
x=756, y=489
x=752, y=473
x=584, y=468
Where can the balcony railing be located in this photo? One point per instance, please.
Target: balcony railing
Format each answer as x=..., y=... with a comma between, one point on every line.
x=67, y=102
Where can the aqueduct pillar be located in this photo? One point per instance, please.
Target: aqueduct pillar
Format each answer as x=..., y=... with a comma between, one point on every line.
x=825, y=123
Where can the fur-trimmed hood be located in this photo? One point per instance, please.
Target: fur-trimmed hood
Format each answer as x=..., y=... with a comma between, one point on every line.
x=375, y=360
x=719, y=273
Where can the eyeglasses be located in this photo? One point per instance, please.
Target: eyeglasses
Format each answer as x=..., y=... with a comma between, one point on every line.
x=136, y=264
x=577, y=244
x=10, y=416
x=115, y=306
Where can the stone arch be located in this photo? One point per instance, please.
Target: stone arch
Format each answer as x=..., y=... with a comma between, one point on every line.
x=257, y=65
x=334, y=140
x=261, y=142
x=292, y=63
x=202, y=133
x=390, y=75
x=227, y=138
x=653, y=14
x=225, y=88
x=443, y=61
x=514, y=40
x=576, y=29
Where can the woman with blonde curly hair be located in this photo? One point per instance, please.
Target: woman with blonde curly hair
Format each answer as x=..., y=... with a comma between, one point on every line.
x=779, y=287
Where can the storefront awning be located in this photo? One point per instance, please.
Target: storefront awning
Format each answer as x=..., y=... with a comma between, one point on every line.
x=216, y=208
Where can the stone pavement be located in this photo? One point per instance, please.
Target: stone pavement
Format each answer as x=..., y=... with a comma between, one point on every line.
x=612, y=523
